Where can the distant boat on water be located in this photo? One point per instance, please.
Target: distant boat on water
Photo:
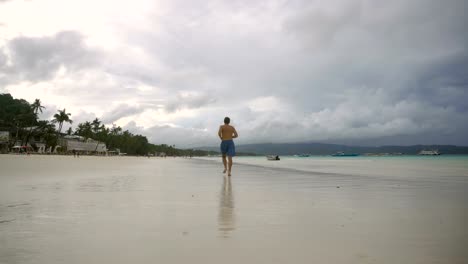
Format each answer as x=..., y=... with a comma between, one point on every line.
x=303, y=155
x=273, y=157
x=342, y=154
x=429, y=152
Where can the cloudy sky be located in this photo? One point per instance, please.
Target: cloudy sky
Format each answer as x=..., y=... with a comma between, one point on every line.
x=354, y=72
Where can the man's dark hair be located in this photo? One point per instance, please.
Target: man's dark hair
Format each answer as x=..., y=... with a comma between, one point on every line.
x=227, y=120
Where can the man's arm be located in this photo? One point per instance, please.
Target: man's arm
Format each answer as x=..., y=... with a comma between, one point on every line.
x=220, y=133
x=234, y=134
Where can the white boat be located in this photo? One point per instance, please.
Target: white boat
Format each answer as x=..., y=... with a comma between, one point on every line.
x=272, y=157
x=429, y=152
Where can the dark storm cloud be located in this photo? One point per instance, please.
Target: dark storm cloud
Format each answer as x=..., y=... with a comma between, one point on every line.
x=39, y=58
x=411, y=54
x=379, y=45
x=444, y=83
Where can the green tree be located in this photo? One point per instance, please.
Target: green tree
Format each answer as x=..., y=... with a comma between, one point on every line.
x=61, y=117
x=100, y=132
x=84, y=130
x=96, y=125
x=46, y=129
x=36, y=107
x=15, y=114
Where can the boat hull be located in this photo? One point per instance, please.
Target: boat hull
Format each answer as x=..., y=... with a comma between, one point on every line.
x=272, y=157
x=345, y=155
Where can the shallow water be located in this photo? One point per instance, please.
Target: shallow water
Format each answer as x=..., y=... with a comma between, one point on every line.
x=406, y=167
x=57, y=209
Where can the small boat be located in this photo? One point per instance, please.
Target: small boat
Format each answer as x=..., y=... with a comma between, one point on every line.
x=429, y=152
x=303, y=155
x=272, y=157
x=342, y=154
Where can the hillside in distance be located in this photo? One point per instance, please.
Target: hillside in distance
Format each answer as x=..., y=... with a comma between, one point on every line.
x=327, y=149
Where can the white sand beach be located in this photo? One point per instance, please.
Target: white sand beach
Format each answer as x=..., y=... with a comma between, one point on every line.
x=60, y=209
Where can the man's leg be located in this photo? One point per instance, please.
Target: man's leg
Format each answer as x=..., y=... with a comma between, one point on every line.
x=230, y=165
x=224, y=163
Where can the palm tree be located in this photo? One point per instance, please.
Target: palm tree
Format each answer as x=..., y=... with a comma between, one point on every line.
x=113, y=135
x=84, y=130
x=36, y=107
x=115, y=130
x=97, y=128
x=60, y=117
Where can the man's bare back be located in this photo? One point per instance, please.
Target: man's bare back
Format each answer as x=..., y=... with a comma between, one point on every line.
x=227, y=132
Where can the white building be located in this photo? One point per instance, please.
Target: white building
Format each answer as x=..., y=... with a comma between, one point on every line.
x=78, y=143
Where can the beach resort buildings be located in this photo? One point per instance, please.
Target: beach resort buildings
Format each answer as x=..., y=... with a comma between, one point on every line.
x=79, y=144
x=66, y=144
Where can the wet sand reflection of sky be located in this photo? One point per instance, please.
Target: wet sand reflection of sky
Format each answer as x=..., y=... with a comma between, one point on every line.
x=226, y=216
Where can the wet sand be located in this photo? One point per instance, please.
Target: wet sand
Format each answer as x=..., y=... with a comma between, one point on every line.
x=57, y=209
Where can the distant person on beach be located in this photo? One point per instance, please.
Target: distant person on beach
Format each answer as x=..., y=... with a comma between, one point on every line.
x=226, y=133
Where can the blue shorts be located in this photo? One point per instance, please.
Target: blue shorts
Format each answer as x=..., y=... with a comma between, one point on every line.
x=228, y=148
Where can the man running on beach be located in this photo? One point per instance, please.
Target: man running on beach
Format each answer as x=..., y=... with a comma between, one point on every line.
x=226, y=133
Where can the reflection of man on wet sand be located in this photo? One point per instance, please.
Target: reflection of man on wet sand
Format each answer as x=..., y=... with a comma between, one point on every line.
x=226, y=217
x=226, y=133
